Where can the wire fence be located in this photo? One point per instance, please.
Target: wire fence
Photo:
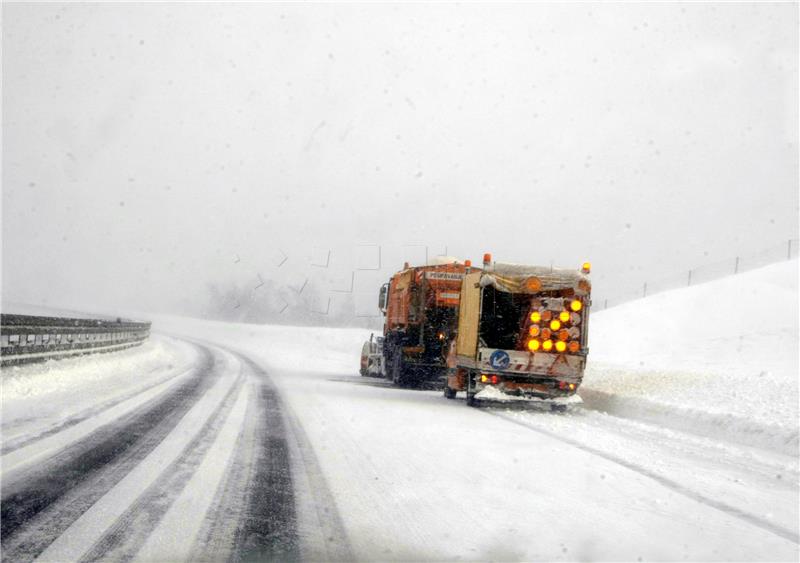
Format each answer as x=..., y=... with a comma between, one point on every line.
x=705, y=273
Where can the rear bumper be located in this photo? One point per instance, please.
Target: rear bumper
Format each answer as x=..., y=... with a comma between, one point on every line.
x=496, y=394
x=538, y=386
x=529, y=390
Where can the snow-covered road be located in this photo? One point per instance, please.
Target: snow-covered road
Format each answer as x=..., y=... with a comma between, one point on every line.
x=233, y=441
x=231, y=455
x=192, y=463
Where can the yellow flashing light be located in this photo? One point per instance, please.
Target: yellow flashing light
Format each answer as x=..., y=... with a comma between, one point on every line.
x=576, y=305
x=534, y=284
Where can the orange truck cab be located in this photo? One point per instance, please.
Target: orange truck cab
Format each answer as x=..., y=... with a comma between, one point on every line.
x=420, y=305
x=522, y=334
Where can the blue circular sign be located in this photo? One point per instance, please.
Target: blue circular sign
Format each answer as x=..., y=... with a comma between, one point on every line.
x=499, y=359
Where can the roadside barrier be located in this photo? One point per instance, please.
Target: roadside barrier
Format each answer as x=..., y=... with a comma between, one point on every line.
x=26, y=338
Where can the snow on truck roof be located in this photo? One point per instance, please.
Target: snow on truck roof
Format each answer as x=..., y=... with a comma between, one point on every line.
x=514, y=278
x=444, y=260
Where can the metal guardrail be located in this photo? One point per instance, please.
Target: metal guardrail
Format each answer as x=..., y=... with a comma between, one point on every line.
x=26, y=338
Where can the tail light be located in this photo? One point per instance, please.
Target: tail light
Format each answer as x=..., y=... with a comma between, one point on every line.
x=493, y=379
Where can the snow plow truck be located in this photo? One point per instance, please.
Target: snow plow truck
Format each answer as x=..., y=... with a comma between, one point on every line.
x=420, y=305
x=522, y=334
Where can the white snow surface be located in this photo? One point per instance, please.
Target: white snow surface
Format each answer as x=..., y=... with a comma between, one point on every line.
x=720, y=357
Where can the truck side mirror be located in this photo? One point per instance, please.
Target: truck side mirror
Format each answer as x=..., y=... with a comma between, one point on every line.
x=383, y=297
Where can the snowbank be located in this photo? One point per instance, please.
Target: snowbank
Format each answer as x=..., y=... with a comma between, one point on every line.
x=37, y=396
x=719, y=358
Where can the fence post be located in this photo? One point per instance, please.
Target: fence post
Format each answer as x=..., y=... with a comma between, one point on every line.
x=736, y=266
x=605, y=304
x=690, y=279
x=644, y=290
x=789, y=254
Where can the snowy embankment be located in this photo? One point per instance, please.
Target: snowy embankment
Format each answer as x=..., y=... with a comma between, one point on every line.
x=718, y=359
x=39, y=397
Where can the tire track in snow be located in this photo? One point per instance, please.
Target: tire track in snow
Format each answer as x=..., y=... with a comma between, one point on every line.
x=137, y=526
x=91, y=526
x=217, y=469
x=269, y=525
x=40, y=506
x=752, y=519
x=319, y=529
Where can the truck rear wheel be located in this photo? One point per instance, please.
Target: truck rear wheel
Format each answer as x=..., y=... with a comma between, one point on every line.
x=449, y=393
x=471, y=400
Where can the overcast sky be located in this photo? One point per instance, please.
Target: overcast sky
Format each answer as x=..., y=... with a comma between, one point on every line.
x=152, y=149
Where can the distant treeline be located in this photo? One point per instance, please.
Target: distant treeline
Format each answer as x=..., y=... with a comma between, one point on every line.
x=272, y=303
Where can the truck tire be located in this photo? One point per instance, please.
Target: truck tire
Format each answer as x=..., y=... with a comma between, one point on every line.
x=397, y=369
x=557, y=408
x=449, y=393
x=471, y=400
